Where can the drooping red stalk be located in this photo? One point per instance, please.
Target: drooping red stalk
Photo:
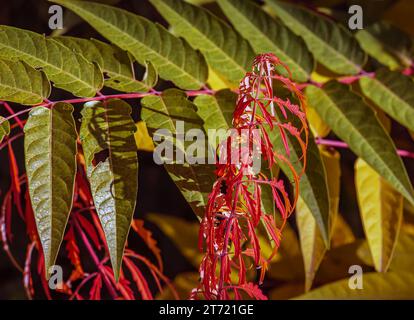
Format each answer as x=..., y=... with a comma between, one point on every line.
x=228, y=232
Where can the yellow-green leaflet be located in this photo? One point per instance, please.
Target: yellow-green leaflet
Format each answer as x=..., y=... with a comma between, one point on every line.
x=22, y=84
x=50, y=158
x=107, y=136
x=172, y=57
x=66, y=69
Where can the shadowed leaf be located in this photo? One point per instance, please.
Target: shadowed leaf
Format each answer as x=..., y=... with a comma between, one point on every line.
x=393, y=92
x=356, y=123
x=107, y=135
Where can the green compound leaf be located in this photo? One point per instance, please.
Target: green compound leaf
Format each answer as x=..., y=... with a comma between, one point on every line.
x=107, y=135
x=216, y=110
x=356, y=123
x=4, y=128
x=331, y=44
x=225, y=50
x=65, y=68
x=393, y=92
x=114, y=62
x=22, y=84
x=176, y=115
x=173, y=58
x=386, y=43
x=50, y=158
x=266, y=34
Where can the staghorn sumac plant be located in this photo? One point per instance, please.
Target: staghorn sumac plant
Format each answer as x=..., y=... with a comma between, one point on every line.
x=77, y=116
x=234, y=209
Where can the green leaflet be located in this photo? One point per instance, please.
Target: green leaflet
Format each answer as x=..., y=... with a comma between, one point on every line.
x=22, y=84
x=266, y=34
x=225, y=50
x=313, y=184
x=393, y=92
x=65, y=68
x=216, y=111
x=355, y=123
x=4, y=128
x=311, y=240
x=331, y=44
x=115, y=63
x=50, y=158
x=173, y=58
x=107, y=135
x=176, y=115
x=381, y=209
x=386, y=43
x=375, y=286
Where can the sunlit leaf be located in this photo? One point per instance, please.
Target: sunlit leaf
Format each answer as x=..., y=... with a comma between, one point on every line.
x=22, y=84
x=225, y=50
x=114, y=62
x=356, y=124
x=375, y=286
x=172, y=57
x=50, y=158
x=266, y=34
x=381, y=208
x=331, y=44
x=107, y=135
x=386, y=43
x=393, y=92
x=65, y=68
x=176, y=115
x=142, y=138
x=311, y=240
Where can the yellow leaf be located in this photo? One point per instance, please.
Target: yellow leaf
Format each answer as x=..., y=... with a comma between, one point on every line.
x=381, y=209
x=142, y=138
x=311, y=241
x=216, y=82
x=375, y=286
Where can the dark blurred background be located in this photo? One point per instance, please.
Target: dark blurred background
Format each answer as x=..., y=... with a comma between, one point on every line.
x=157, y=193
